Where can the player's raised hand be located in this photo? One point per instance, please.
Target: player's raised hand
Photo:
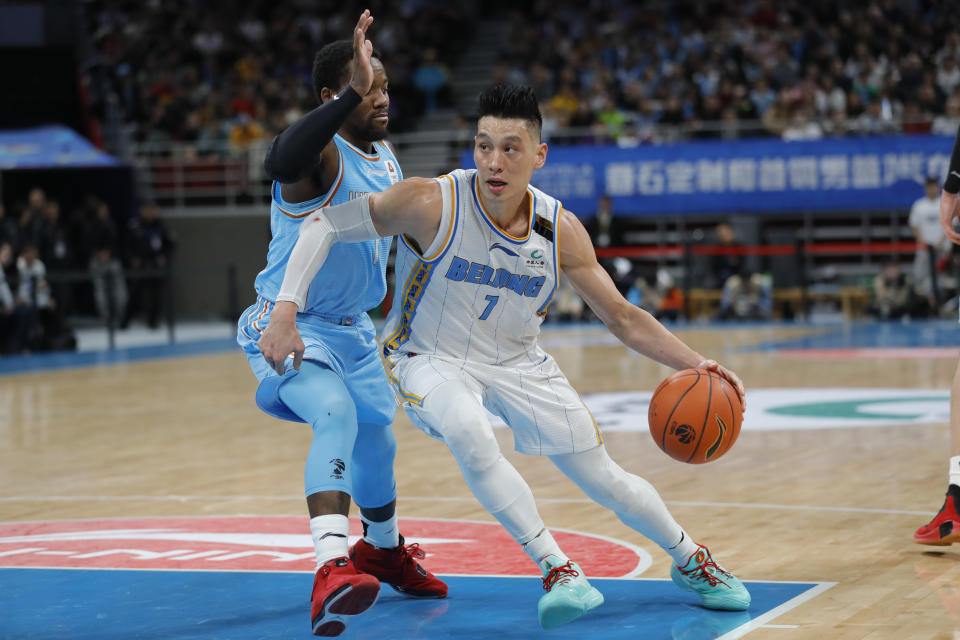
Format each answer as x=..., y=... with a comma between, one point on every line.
x=362, y=78
x=729, y=376
x=949, y=210
x=281, y=338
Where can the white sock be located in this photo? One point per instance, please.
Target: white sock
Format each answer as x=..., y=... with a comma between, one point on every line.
x=682, y=551
x=329, y=535
x=383, y=535
x=955, y=470
x=543, y=545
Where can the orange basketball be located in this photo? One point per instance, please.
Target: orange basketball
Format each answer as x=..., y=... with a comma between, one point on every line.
x=695, y=416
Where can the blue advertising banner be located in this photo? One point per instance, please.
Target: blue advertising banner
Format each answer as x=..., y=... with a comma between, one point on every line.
x=745, y=176
x=49, y=147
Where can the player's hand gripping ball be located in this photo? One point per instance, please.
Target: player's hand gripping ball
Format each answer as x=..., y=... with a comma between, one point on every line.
x=695, y=416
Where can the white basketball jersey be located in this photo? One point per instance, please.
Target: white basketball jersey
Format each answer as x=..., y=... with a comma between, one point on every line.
x=476, y=293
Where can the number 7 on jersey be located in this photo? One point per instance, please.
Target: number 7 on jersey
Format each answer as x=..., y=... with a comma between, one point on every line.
x=491, y=303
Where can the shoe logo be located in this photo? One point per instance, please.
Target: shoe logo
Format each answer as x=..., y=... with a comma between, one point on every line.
x=335, y=535
x=509, y=252
x=338, y=468
x=421, y=570
x=716, y=445
x=684, y=433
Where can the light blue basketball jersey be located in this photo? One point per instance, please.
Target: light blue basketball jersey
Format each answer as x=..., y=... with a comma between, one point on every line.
x=353, y=278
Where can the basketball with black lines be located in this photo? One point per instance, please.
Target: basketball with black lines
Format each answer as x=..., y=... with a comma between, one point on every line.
x=695, y=416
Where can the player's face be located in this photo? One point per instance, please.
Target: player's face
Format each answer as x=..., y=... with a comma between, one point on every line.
x=369, y=121
x=506, y=152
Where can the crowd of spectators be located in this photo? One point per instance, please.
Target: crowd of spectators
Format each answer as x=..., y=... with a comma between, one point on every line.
x=799, y=69
x=54, y=267
x=218, y=80
x=630, y=72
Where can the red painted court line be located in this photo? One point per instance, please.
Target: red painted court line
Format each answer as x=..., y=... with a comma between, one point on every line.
x=892, y=353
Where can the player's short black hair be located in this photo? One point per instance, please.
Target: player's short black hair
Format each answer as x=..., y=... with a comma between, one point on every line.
x=331, y=65
x=511, y=101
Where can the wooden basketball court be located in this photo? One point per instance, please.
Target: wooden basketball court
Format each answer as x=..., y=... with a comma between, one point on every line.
x=182, y=437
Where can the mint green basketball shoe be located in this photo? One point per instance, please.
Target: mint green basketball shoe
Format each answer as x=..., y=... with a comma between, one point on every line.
x=717, y=587
x=568, y=594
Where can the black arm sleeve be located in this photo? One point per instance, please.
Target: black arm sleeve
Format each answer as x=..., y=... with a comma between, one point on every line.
x=952, y=183
x=293, y=153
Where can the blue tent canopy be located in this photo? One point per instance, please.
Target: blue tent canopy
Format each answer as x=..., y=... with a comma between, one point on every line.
x=49, y=147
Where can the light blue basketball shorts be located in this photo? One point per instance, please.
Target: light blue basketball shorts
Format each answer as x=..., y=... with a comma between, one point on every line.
x=346, y=344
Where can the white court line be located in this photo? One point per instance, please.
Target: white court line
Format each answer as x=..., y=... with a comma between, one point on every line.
x=779, y=626
x=792, y=603
x=797, y=507
x=679, y=503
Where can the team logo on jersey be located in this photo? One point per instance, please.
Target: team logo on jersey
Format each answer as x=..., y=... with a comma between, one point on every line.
x=462, y=270
x=393, y=171
x=271, y=543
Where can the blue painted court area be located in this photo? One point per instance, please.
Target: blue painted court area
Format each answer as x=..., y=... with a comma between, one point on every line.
x=110, y=604
x=933, y=333
x=13, y=365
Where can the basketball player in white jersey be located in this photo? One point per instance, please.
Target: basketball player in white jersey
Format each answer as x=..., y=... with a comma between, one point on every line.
x=477, y=266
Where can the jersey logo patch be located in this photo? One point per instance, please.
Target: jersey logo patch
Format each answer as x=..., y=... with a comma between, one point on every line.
x=536, y=260
x=509, y=252
x=393, y=172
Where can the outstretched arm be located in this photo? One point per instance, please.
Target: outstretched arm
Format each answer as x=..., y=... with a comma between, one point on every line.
x=302, y=149
x=411, y=207
x=630, y=324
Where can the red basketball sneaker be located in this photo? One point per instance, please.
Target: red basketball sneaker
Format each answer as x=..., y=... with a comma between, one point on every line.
x=340, y=590
x=944, y=529
x=399, y=568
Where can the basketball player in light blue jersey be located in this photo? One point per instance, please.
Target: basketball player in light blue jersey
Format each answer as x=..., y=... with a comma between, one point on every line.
x=479, y=260
x=337, y=383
